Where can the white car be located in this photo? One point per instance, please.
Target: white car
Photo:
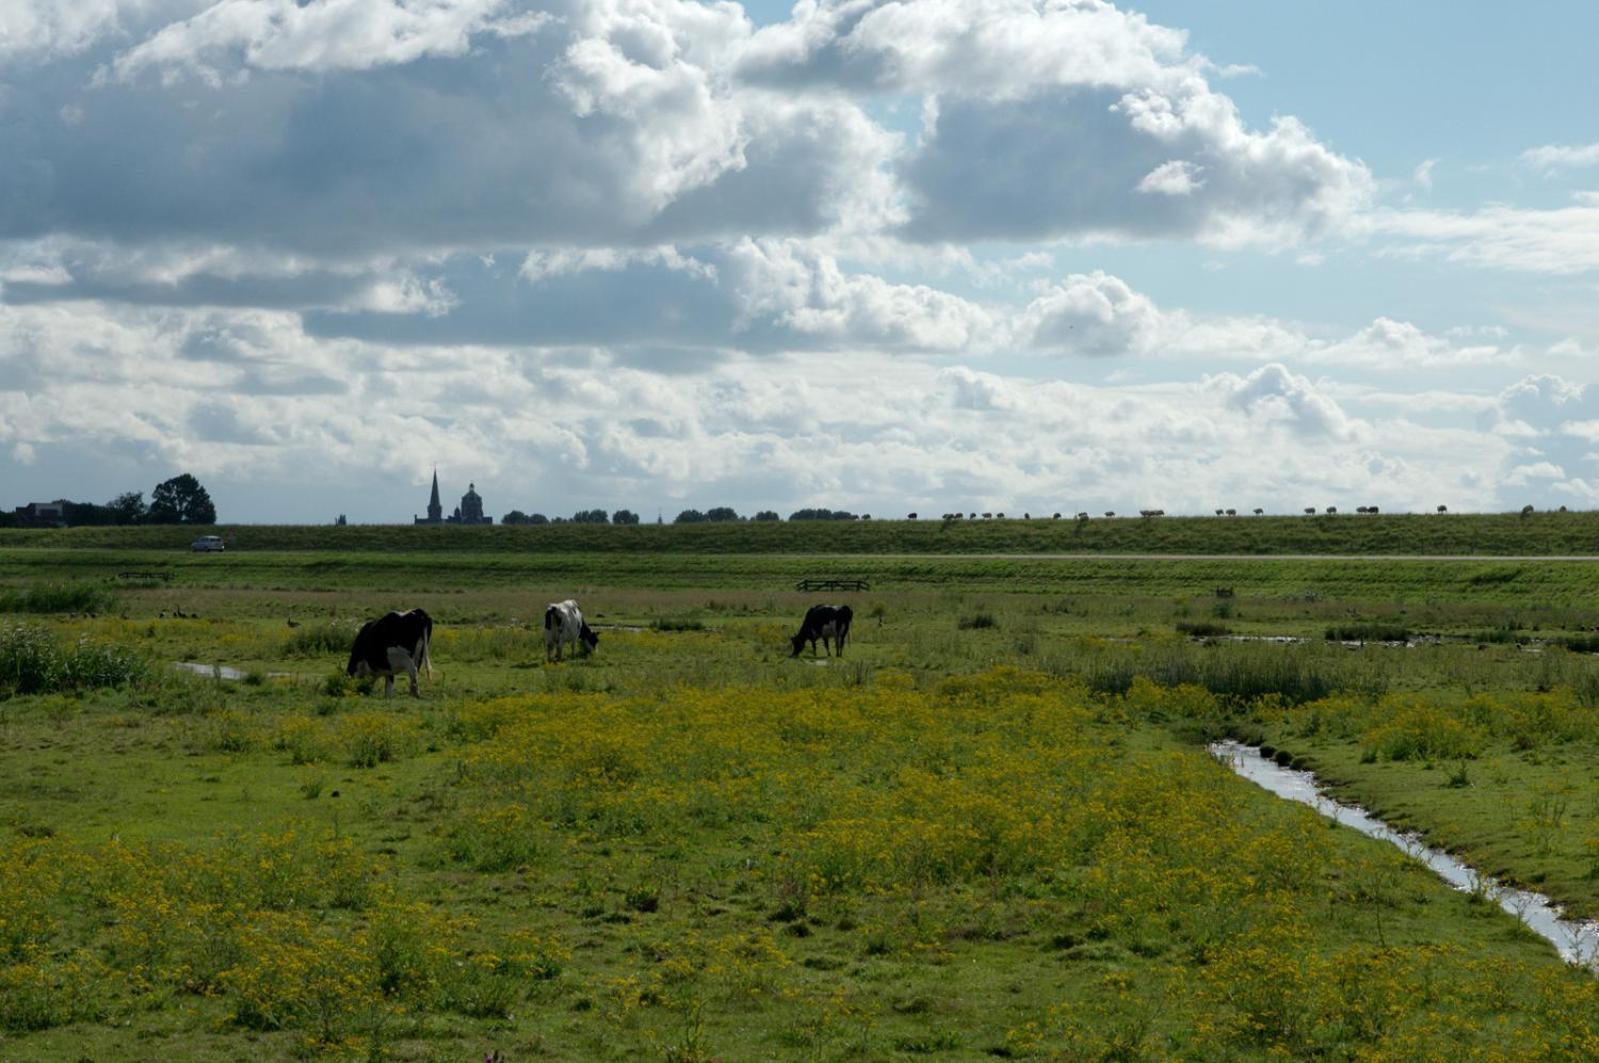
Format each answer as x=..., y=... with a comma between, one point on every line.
x=207, y=544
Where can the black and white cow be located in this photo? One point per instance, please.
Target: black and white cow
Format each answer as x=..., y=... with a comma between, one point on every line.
x=563, y=624
x=824, y=622
x=395, y=642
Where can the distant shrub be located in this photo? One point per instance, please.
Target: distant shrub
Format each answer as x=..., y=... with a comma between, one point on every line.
x=978, y=620
x=674, y=623
x=59, y=598
x=766, y=514
x=315, y=640
x=32, y=661
x=1368, y=632
x=1202, y=629
x=1244, y=676
x=1417, y=729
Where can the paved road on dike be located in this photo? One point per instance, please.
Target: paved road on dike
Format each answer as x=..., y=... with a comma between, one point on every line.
x=1210, y=557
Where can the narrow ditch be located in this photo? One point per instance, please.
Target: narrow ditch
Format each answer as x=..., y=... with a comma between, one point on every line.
x=1577, y=941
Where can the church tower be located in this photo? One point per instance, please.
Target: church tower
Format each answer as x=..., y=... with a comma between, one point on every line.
x=435, y=510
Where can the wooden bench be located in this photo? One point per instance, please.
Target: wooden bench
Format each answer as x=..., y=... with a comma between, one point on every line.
x=832, y=585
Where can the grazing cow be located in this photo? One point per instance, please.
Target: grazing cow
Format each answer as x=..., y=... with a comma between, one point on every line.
x=395, y=642
x=824, y=622
x=564, y=623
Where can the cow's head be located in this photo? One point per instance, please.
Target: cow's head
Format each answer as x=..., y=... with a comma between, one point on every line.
x=590, y=637
x=799, y=644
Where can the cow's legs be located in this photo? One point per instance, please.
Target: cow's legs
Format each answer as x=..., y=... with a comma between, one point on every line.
x=400, y=661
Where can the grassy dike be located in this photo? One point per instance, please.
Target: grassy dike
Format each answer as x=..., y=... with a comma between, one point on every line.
x=1501, y=534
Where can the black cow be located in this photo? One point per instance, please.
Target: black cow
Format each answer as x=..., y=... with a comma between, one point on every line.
x=394, y=642
x=824, y=622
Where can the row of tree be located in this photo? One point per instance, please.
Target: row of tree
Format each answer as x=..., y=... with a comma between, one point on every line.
x=714, y=515
x=582, y=516
x=180, y=500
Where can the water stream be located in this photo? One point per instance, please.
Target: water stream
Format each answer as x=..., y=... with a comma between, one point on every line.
x=1576, y=941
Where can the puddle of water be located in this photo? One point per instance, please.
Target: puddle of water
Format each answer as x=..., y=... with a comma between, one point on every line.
x=1576, y=941
x=220, y=671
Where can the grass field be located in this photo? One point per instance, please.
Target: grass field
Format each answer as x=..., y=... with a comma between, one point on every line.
x=991, y=830
x=1491, y=534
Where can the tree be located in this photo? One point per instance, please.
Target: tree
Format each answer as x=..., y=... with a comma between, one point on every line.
x=591, y=516
x=128, y=508
x=516, y=516
x=689, y=516
x=823, y=514
x=767, y=514
x=624, y=516
x=721, y=513
x=181, y=500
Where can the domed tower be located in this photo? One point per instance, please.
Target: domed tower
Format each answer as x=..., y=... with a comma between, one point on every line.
x=472, y=506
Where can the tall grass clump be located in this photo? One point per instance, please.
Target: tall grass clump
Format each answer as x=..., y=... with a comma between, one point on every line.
x=314, y=640
x=1238, y=673
x=1368, y=632
x=676, y=623
x=59, y=598
x=32, y=661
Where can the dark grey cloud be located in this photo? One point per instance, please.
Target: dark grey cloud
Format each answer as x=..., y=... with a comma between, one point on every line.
x=1079, y=162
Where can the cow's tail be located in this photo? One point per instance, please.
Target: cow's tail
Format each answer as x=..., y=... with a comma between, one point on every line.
x=552, y=619
x=425, y=650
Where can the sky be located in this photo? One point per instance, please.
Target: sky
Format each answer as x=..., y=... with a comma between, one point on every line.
x=888, y=256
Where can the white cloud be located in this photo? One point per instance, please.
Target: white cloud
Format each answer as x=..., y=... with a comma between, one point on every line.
x=1423, y=174
x=33, y=31
x=318, y=35
x=1563, y=240
x=1175, y=178
x=247, y=400
x=1095, y=314
x=810, y=294
x=1276, y=394
x=1551, y=157
x=1060, y=119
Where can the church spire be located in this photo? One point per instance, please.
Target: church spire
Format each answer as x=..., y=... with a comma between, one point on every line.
x=435, y=509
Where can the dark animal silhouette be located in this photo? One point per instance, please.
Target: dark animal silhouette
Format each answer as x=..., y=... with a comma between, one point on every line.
x=825, y=622
x=395, y=642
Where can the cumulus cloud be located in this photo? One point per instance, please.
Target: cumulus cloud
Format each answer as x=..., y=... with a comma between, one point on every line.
x=1063, y=119
x=1276, y=395
x=1095, y=314
x=1546, y=417
x=432, y=126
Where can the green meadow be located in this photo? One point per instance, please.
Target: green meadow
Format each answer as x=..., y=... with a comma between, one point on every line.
x=991, y=830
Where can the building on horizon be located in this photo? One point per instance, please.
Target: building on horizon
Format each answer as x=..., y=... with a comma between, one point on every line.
x=44, y=514
x=470, y=511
